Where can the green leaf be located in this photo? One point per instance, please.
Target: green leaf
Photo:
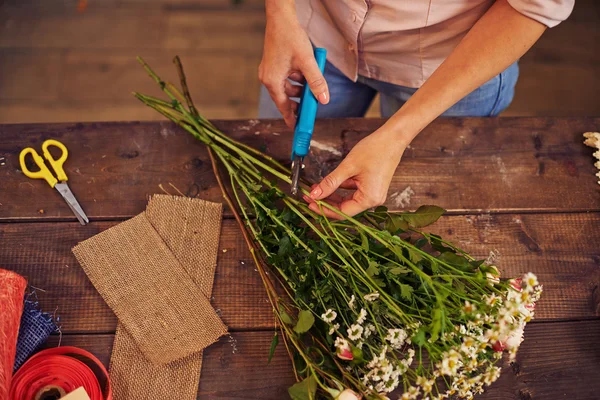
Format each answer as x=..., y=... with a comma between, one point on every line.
x=379, y=282
x=421, y=242
x=414, y=256
x=285, y=317
x=394, y=223
x=381, y=209
x=373, y=268
x=436, y=323
x=399, y=270
x=285, y=246
x=364, y=241
x=274, y=344
x=406, y=291
x=305, y=321
x=419, y=337
x=434, y=266
x=425, y=215
x=357, y=355
x=454, y=259
x=306, y=389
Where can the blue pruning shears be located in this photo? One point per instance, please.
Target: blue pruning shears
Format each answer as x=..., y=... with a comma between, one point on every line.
x=307, y=113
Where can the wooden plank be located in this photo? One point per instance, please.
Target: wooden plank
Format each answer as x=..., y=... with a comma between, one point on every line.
x=49, y=6
x=175, y=26
x=497, y=165
x=562, y=249
x=224, y=31
x=559, y=76
x=42, y=253
x=115, y=76
x=43, y=111
x=554, y=362
x=110, y=28
x=26, y=74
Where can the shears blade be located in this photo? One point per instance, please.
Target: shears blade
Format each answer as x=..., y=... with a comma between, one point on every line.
x=66, y=193
x=296, y=171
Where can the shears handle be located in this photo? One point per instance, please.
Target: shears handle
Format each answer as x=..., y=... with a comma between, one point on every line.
x=307, y=112
x=57, y=165
x=44, y=172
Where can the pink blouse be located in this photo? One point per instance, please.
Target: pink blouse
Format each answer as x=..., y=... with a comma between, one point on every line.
x=403, y=41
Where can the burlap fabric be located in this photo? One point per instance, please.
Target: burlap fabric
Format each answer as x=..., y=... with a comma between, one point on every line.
x=190, y=228
x=151, y=293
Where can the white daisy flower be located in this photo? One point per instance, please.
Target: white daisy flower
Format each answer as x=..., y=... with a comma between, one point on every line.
x=369, y=329
x=372, y=296
x=329, y=316
x=450, y=363
x=530, y=281
x=396, y=337
x=361, y=316
x=355, y=332
x=334, y=328
x=351, y=302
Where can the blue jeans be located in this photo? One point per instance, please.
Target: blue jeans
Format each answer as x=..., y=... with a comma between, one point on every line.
x=352, y=99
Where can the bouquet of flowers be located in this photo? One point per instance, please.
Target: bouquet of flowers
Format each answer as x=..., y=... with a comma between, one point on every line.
x=366, y=305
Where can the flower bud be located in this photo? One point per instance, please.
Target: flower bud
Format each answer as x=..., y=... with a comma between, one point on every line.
x=517, y=284
x=499, y=346
x=348, y=395
x=345, y=353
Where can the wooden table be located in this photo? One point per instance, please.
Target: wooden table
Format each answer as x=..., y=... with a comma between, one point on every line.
x=523, y=187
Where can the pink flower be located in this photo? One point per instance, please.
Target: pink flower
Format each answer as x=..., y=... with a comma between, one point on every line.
x=345, y=353
x=348, y=395
x=343, y=349
x=499, y=346
x=517, y=284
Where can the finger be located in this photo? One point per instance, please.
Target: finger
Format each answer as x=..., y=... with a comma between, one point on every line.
x=316, y=80
x=284, y=105
x=352, y=207
x=292, y=90
x=297, y=77
x=331, y=182
x=358, y=202
x=349, y=184
x=322, y=210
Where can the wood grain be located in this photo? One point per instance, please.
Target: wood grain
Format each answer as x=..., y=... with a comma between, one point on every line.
x=562, y=249
x=22, y=79
x=63, y=29
x=117, y=75
x=462, y=164
x=556, y=361
x=48, y=111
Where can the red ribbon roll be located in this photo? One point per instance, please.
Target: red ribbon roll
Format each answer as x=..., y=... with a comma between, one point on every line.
x=65, y=368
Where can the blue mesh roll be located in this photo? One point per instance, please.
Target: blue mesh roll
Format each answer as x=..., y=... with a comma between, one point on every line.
x=36, y=327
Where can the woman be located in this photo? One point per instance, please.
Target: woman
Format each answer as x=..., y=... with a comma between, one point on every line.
x=425, y=58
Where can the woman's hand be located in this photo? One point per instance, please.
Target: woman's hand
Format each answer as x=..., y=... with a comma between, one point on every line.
x=288, y=53
x=368, y=170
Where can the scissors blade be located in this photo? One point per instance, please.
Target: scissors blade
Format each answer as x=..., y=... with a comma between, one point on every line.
x=296, y=171
x=66, y=193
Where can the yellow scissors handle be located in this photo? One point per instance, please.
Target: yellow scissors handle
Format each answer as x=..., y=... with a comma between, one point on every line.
x=43, y=173
x=57, y=165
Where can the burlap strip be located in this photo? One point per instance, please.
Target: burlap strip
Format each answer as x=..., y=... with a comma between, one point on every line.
x=190, y=228
x=150, y=292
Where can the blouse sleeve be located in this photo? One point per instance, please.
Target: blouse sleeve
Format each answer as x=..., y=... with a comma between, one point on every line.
x=547, y=12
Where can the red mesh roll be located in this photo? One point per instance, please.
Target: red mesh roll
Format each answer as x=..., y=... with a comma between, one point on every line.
x=12, y=292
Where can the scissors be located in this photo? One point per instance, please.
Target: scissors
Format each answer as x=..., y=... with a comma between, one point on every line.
x=59, y=184
x=305, y=124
